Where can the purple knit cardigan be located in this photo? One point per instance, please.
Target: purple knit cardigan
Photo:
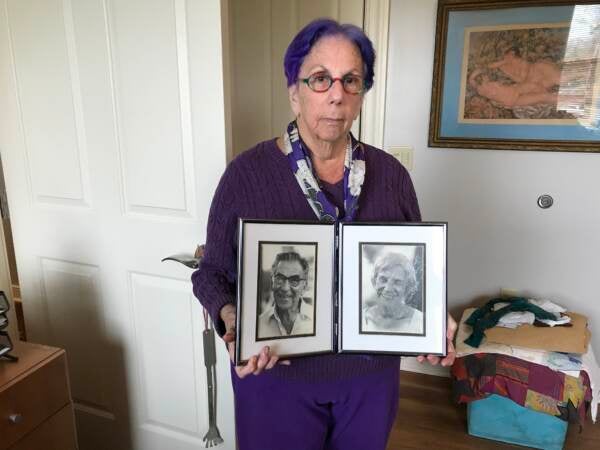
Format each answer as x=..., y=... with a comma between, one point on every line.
x=259, y=184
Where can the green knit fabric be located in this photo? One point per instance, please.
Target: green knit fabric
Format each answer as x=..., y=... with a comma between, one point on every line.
x=485, y=317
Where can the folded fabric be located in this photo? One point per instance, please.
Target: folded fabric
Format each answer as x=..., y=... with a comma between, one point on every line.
x=590, y=366
x=530, y=385
x=485, y=317
x=516, y=318
x=572, y=339
x=548, y=305
x=569, y=363
x=564, y=319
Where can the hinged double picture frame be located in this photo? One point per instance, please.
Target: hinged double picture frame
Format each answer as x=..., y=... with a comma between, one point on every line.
x=308, y=288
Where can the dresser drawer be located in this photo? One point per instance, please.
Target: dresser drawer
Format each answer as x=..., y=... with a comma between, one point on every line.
x=32, y=399
x=57, y=433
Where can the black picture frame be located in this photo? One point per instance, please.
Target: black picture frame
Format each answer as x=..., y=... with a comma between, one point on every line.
x=432, y=238
x=335, y=255
x=296, y=236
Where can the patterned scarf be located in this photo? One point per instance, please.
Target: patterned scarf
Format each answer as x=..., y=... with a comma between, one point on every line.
x=301, y=165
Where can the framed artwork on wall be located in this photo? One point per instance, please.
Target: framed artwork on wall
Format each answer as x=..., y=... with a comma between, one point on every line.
x=517, y=75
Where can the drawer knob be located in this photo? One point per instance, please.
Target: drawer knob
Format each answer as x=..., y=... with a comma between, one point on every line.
x=15, y=418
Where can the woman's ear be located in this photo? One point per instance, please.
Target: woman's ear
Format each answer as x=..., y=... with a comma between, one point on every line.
x=294, y=100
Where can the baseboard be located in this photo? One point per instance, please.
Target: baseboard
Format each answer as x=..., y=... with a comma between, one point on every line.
x=412, y=365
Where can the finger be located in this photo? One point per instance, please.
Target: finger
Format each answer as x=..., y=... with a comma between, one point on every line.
x=272, y=362
x=452, y=326
x=229, y=336
x=263, y=360
x=420, y=358
x=450, y=355
x=228, y=315
x=451, y=348
x=448, y=360
x=285, y=362
x=433, y=360
x=249, y=368
x=231, y=350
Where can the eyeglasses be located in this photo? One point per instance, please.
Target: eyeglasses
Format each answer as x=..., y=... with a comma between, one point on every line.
x=294, y=280
x=322, y=82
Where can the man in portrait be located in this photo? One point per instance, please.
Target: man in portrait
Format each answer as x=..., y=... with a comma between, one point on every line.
x=287, y=313
x=387, y=310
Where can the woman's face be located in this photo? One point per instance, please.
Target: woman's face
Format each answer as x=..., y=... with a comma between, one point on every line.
x=390, y=284
x=327, y=116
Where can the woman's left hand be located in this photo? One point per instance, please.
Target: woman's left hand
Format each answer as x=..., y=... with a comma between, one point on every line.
x=448, y=360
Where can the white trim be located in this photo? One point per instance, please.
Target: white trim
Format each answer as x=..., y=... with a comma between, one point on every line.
x=410, y=364
x=228, y=84
x=376, y=25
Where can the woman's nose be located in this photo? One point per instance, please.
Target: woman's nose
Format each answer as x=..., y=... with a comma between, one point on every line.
x=336, y=91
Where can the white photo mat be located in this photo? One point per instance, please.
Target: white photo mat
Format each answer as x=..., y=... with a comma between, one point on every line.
x=432, y=236
x=252, y=233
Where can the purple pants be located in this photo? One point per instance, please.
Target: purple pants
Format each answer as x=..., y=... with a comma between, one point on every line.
x=349, y=414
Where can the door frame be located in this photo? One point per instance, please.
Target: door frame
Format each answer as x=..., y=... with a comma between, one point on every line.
x=376, y=19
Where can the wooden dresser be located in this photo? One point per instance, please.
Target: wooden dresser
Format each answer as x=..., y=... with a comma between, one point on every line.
x=36, y=412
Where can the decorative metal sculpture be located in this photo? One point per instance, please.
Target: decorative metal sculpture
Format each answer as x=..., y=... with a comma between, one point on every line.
x=212, y=437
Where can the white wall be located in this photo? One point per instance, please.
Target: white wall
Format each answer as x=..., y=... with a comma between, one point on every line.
x=498, y=236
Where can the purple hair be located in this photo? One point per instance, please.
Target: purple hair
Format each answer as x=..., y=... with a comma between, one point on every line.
x=304, y=41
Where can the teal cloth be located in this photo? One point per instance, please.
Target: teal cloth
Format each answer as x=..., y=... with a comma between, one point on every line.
x=485, y=317
x=501, y=419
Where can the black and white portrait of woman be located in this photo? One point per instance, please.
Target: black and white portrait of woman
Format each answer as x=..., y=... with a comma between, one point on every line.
x=392, y=288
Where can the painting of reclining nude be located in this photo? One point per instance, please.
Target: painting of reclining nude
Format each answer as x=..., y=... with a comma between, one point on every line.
x=515, y=73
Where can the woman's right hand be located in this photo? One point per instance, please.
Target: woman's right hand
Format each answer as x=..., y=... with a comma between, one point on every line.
x=265, y=360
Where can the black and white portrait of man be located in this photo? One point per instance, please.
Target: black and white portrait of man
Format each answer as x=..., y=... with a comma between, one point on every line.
x=392, y=289
x=286, y=290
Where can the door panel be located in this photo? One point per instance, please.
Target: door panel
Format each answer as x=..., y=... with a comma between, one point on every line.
x=53, y=129
x=113, y=143
x=155, y=141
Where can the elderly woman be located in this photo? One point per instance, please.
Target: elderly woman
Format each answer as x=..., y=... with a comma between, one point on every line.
x=395, y=282
x=317, y=171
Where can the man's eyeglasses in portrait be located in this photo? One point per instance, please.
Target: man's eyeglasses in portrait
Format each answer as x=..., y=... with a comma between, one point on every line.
x=294, y=281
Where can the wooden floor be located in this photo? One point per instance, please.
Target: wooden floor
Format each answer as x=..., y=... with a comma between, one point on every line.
x=429, y=419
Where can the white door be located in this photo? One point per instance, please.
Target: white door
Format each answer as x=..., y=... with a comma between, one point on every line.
x=112, y=135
